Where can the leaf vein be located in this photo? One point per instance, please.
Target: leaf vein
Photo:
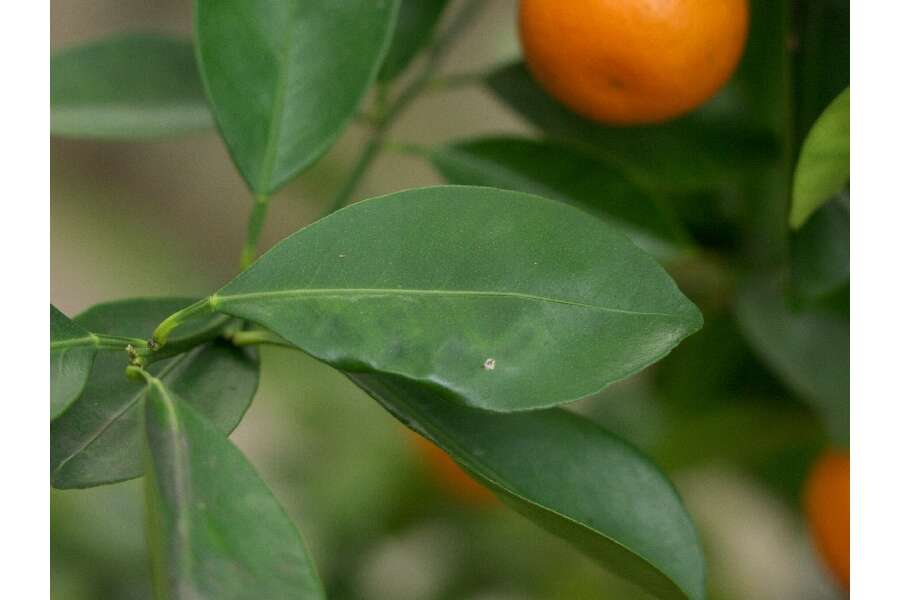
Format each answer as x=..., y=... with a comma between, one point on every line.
x=310, y=292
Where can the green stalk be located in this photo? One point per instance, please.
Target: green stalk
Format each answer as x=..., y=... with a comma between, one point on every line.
x=457, y=80
x=387, y=117
x=161, y=334
x=370, y=151
x=255, y=337
x=254, y=229
x=100, y=341
x=216, y=329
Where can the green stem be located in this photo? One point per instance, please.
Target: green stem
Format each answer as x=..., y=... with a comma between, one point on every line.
x=368, y=154
x=137, y=372
x=100, y=341
x=215, y=329
x=254, y=229
x=389, y=112
x=407, y=148
x=436, y=56
x=119, y=341
x=161, y=334
x=255, y=337
x=457, y=80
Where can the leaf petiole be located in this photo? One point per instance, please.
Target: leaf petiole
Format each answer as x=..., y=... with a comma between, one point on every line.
x=164, y=329
x=100, y=341
x=254, y=229
x=258, y=336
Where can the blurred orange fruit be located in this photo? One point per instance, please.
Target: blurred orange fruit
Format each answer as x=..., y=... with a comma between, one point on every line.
x=450, y=476
x=827, y=502
x=632, y=61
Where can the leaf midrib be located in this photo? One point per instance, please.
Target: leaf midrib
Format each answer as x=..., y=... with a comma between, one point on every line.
x=271, y=152
x=218, y=299
x=118, y=415
x=86, y=341
x=181, y=493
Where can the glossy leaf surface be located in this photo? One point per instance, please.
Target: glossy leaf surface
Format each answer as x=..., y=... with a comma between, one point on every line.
x=127, y=87
x=72, y=350
x=561, y=172
x=285, y=77
x=809, y=349
x=215, y=529
x=823, y=168
x=98, y=440
x=694, y=152
x=510, y=301
x=415, y=27
x=570, y=477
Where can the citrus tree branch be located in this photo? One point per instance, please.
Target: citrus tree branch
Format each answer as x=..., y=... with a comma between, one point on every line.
x=385, y=118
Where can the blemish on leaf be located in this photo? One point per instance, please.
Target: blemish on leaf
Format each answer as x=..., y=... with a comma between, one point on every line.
x=490, y=364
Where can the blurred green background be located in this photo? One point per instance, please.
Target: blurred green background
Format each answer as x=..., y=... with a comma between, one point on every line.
x=168, y=218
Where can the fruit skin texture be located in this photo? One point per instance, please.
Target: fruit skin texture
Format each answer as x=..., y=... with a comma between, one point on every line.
x=627, y=62
x=827, y=500
x=450, y=476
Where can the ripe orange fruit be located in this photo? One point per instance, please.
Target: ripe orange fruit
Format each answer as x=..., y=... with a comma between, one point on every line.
x=828, y=511
x=632, y=61
x=451, y=476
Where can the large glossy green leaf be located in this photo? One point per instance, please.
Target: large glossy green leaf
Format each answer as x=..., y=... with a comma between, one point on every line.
x=508, y=300
x=285, y=77
x=823, y=168
x=820, y=253
x=570, y=477
x=215, y=529
x=699, y=151
x=98, y=439
x=415, y=26
x=72, y=350
x=564, y=173
x=809, y=349
x=127, y=87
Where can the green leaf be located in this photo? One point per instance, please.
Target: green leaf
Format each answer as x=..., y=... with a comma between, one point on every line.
x=510, y=301
x=820, y=253
x=808, y=349
x=72, y=350
x=700, y=151
x=130, y=87
x=215, y=529
x=415, y=26
x=570, y=477
x=823, y=168
x=98, y=439
x=284, y=78
x=563, y=173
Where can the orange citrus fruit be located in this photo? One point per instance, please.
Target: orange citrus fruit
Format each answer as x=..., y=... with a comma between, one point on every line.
x=450, y=476
x=827, y=501
x=632, y=61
